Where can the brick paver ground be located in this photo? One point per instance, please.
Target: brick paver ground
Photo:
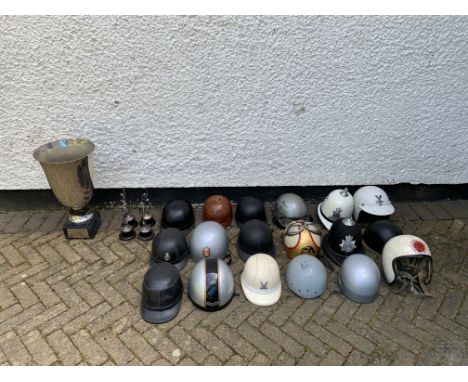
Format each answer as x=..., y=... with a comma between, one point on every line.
x=77, y=303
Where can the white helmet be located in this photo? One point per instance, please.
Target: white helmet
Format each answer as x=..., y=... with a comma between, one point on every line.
x=261, y=281
x=373, y=201
x=407, y=258
x=338, y=204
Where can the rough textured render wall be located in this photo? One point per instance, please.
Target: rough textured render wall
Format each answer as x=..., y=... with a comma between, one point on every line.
x=238, y=101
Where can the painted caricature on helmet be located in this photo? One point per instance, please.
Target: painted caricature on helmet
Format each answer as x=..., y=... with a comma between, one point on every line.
x=407, y=259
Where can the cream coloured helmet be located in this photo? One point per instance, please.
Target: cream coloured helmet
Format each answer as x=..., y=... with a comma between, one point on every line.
x=260, y=280
x=407, y=258
x=338, y=204
x=374, y=202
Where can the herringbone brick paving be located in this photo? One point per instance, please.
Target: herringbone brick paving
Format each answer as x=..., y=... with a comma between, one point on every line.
x=77, y=303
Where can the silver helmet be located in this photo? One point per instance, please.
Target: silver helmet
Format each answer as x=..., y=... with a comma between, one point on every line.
x=359, y=278
x=209, y=239
x=289, y=207
x=306, y=276
x=211, y=284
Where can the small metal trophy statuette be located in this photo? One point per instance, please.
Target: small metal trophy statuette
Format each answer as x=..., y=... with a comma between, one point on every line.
x=68, y=168
x=147, y=221
x=129, y=223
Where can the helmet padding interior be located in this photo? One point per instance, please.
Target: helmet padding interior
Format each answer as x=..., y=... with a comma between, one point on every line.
x=410, y=268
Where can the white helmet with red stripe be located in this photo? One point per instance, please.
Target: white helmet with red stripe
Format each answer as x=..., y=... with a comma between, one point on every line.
x=407, y=258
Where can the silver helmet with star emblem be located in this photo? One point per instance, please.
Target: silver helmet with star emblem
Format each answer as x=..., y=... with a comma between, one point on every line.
x=343, y=240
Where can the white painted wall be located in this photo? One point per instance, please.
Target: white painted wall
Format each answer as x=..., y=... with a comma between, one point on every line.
x=238, y=101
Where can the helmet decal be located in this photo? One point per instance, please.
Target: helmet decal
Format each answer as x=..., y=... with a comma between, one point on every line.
x=379, y=199
x=348, y=244
x=344, y=193
x=337, y=213
x=167, y=256
x=418, y=246
x=263, y=285
x=206, y=252
x=348, y=222
x=307, y=250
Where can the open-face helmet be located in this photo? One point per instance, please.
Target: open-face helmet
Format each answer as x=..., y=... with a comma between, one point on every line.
x=407, y=259
x=371, y=203
x=249, y=208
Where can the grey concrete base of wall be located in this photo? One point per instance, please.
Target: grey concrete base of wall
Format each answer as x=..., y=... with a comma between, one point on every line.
x=30, y=200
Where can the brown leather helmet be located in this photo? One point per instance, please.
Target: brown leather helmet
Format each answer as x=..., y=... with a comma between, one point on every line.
x=218, y=208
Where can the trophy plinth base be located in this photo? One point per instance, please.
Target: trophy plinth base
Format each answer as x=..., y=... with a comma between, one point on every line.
x=86, y=230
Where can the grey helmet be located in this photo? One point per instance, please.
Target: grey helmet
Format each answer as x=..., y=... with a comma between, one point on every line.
x=211, y=284
x=359, y=278
x=306, y=276
x=289, y=207
x=209, y=239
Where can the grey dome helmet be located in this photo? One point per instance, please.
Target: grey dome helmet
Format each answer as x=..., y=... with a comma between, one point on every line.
x=306, y=276
x=289, y=207
x=359, y=278
x=211, y=284
x=209, y=239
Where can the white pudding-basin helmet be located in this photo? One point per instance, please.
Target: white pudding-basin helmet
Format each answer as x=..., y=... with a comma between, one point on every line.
x=373, y=201
x=338, y=204
x=260, y=280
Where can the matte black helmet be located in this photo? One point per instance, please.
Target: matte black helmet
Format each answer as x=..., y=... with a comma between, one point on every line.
x=170, y=246
x=178, y=214
x=343, y=239
x=379, y=232
x=255, y=237
x=162, y=291
x=249, y=208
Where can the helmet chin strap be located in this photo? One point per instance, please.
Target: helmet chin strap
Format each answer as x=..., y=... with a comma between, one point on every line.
x=416, y=283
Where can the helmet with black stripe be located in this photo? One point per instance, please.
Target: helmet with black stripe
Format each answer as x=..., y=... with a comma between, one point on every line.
x=211, y=284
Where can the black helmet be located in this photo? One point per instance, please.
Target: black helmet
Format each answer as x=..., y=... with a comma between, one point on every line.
x=170, y=246
x=162, y=291
x=379, y=232
x=250, y=208
x=178, y=214
x=343, y=239
x=255, y=237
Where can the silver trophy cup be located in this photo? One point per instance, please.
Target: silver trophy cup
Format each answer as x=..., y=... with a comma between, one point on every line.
x=67, y=165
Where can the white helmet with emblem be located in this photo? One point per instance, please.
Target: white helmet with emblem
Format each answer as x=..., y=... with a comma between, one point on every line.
x=373, y=201
x=338, y=204
x=260, y=280
x=407, y=258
